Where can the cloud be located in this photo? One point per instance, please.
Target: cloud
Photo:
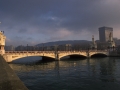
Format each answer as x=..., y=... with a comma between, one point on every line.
x=52, y=20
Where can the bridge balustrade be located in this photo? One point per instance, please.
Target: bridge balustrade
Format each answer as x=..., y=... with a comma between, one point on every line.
x=16, y=52
x=52, y=52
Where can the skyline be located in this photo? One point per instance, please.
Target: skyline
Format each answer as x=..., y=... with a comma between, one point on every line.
x=39, y=21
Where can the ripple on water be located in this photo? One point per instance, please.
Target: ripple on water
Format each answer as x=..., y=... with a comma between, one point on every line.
x=92, y=74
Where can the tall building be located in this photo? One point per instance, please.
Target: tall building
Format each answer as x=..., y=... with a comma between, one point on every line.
x=104, y=33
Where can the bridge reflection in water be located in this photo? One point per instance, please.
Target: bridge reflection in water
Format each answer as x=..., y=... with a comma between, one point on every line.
x=88, y=73
x=65, y=64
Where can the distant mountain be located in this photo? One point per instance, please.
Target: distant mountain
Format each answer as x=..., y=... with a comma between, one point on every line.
x=72, y=42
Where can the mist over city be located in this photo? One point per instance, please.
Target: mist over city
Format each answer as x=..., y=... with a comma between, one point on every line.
x=40, y=21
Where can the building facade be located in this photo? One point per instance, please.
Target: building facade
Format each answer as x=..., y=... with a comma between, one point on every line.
x=104, y=33
x=9, y=48
x=2, y=42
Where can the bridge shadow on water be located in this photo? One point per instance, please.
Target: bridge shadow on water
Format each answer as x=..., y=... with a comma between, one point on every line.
x=45, y=60
x=39, y=60
x=73, y=57
x=32, y=60
x=98, y=56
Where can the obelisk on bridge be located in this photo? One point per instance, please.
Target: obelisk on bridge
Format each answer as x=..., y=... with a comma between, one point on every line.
x=2, y=42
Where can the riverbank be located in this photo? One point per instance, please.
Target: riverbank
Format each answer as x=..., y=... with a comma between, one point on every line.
x=8, y=79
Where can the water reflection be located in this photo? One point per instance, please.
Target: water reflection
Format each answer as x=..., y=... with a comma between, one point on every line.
x=73, y=74
x=105, y=66
x=107, y=70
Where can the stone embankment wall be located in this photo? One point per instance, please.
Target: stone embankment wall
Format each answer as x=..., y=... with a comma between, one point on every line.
x=8, y=79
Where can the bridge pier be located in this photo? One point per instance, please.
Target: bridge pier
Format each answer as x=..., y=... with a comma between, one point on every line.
x=88, y=54
x=57, y=56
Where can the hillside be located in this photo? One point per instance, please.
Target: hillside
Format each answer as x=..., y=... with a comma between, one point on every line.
x=72, y=42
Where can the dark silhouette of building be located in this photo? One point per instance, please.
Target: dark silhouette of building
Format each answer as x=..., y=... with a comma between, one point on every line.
x=9, y=48
x=104, y=33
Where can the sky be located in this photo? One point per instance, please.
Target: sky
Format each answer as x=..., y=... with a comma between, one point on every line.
x=38, y=21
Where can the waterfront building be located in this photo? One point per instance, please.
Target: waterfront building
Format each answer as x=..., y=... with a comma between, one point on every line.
x=9, y=48
x=65, y=47
x=20, y=48
x=105, y=45
x=102, y=45
x=104, y=33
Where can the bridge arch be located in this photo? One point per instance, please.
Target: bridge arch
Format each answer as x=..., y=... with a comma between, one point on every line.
x=10, y=58
x=72, y=55
x=99, y=55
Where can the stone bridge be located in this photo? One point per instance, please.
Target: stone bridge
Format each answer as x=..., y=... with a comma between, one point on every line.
x=9, y=56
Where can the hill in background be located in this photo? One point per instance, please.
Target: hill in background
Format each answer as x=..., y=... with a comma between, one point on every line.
x=72, y=42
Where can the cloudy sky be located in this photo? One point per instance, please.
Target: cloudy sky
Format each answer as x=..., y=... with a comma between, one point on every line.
x=39, y=21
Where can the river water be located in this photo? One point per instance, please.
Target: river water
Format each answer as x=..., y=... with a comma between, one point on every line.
x=70, y=74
